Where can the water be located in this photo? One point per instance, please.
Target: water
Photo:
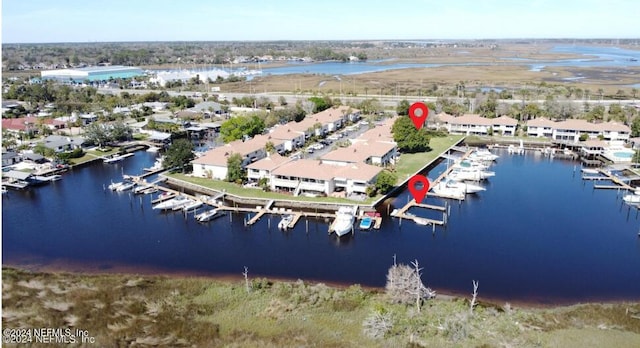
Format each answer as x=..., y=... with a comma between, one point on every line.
x=595, y=56
x=537, y=234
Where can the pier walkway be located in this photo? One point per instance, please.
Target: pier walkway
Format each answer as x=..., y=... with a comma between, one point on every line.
x=402, y=213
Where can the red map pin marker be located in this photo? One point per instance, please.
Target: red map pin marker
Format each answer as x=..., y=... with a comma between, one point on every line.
x=418, y=194
x=418, y=112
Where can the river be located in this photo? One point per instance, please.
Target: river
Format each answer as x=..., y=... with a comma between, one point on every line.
x=538, y=234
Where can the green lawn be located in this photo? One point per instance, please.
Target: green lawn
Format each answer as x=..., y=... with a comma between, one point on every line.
x=234, y=189
x=410, y=163
x=91, y=155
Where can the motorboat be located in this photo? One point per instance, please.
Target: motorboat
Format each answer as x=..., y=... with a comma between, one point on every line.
x=469, y=164
x=209, y=215
x=344, y=221
x=465, y=187
x=114, y=185
x=590, y=171
x=165, y=195
x=447, y=191
x=141, y=188
x=418, y=220
x=483, y=155
x=192, y=206
x=157, y=165
x=470, y=174
x=181, y=204
x=150, y=190
x=633, y=199
x=366, y=223
x=116, y=158
x=171, y=203
x=285, y=222
x=125, y=186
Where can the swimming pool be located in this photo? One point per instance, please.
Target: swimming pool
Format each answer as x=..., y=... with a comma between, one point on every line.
x=619, y=154
x=623, y=154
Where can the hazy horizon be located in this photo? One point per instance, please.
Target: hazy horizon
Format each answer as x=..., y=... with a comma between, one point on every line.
x=76, y=21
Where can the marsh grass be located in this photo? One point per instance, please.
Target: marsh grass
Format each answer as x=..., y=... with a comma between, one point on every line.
x=125, y=310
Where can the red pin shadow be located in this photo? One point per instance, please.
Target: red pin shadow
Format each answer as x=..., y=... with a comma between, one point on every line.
x=418, y=193
x=418, y=112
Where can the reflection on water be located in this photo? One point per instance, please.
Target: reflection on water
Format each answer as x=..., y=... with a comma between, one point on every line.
x=538, y=233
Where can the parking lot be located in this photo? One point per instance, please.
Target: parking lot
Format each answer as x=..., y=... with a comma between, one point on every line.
x=320, y=148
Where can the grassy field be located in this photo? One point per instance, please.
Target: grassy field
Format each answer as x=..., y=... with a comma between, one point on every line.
x=133, y=310
x=92, y=155
x=410, y=163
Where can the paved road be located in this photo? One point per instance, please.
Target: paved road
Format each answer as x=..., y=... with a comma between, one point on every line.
x=387, y=101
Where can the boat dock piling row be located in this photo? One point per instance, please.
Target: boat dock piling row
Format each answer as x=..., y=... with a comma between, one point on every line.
x=446, y=209
x=605, y=175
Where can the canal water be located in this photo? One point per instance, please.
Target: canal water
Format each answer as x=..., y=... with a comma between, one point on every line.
x=538, y=234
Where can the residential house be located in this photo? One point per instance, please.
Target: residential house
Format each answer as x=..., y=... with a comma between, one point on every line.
x=312, y=176
x=379, y=153
x=473, y=124
x=10, y=157
x=504, y=125
x=540, y=127
x=62, y=143
x=570, y=130
x=30, y=124
x=214, y=162
x=263, y=168
x=291, y=137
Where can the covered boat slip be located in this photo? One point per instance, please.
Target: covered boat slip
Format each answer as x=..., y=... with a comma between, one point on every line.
x=16, y=179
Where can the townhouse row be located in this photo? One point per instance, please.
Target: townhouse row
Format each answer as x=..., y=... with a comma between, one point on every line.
x=568, y=130
x=350, y=170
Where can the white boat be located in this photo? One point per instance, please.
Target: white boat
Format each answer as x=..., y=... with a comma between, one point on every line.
x=171, y=203
x=344, y=221
x=470, y=174
x=149, y=190
x=590, y=171
x=484, y=155
x=192, y=206
x=632, y=199
x=447, y=191
x=125, y=186
x=465, y=187
x=209, y=215
x=116, y=158
x=4, y=190
x=181, y=204
x=141, y=188
x=157, y=165
x=114, y=185
x=467, y=164
x=285, y=221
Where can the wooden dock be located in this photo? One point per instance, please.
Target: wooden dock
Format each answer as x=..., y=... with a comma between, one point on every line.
x=620, y=184
x=594, y=177
x=402, y=213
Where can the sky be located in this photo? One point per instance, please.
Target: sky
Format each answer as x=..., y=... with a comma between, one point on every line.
x=40, y=21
